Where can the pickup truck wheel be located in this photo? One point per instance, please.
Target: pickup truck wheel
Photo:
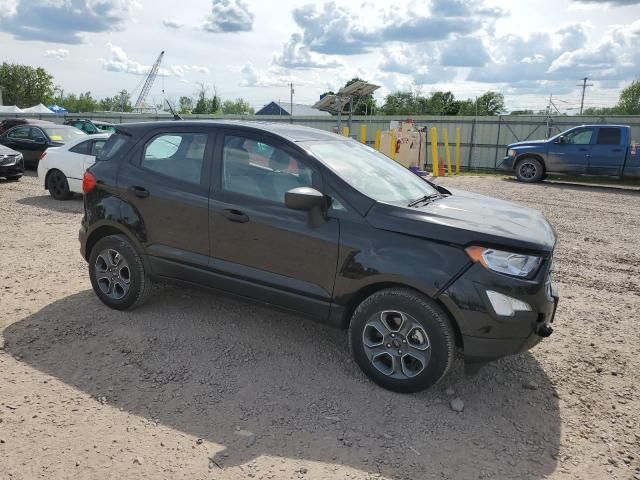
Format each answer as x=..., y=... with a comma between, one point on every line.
x=529, y=170
x=402, y=340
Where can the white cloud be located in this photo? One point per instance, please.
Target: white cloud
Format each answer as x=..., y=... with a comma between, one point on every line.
x=172, y=24
x=229, y=16
x=60, y=53
x=120, y=62
x=297, y=55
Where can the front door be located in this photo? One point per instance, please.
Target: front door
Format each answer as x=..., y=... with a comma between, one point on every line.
x=166, y=179
x=27, y=140
x=572, y=154
x=607, y=153
x=262, y=248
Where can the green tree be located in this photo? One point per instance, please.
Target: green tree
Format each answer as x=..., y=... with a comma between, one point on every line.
x=400, y=103
x=25, y=86
x=629, y=102
x=443, y=103
x=185, y=104
x=238, y=107
x=206, y=104
x=490, y=103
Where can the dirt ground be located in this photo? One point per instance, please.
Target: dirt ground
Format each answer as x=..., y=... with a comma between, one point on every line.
x=197, y=386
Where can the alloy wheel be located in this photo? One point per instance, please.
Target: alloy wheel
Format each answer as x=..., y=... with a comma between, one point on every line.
x=112, y=274
x=56, y=184
x=528, y=170
x=396, y=344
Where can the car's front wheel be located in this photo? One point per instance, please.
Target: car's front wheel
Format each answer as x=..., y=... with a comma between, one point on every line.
x=402, y=340
x=529, y=170
x=58, y=185
x=117, y=273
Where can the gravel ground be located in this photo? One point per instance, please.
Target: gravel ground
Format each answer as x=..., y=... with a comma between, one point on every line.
x=198, y=386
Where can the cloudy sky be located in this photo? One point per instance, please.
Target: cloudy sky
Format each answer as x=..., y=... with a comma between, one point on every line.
x=253, y=49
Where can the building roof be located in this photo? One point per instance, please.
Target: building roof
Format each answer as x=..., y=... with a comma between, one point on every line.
x=299, y=109
x=294, y=133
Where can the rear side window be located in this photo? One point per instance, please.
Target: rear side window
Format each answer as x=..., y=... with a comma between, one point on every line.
x=609, y=136
x=83, y=148
x=96, y=147
x=112, y=146
x=176, y=155
x=19, y=132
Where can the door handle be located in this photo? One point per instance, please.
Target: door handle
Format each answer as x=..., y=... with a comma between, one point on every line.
x=139, y=192
x=234, y=215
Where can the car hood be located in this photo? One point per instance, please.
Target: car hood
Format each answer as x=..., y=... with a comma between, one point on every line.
x=465, y=218
x=7, y=151
x=529, y=142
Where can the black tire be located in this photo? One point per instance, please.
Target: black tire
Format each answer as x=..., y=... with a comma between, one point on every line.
x=530, y=170
x=58, y=185
x=394, y=368
x=115, y=295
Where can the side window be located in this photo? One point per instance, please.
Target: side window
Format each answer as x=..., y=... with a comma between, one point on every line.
x=176, y=155
x=89, y=128
x=580, y=137
x=19, y=133
x=36, y=134
x=261, y=170
x=608, y=136
x=83, y=148
x=97, y=147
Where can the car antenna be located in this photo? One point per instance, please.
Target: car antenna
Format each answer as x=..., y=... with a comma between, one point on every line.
x=175, y=115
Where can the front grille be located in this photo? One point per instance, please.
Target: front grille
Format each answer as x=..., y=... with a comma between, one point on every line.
x=8, y=159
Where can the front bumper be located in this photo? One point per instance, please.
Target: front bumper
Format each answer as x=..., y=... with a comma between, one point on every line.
x=13, y=169
x=487, y=336
x=507, y=163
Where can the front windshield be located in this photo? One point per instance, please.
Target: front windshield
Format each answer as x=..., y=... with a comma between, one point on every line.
x=63, y=134
x=369, y=171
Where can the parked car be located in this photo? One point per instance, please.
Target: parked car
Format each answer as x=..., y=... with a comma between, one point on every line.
x=11, y=163
x=323, y=226
x=8, y=123
x=91, y=127
x=588, y=149
x=60, y=169
x=32, y=141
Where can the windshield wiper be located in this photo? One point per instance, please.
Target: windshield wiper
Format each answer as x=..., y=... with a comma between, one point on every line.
x=424, y=199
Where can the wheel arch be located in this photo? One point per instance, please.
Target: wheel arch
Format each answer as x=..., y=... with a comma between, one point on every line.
x=359, y=296
x=107, y=229
x=49, y=172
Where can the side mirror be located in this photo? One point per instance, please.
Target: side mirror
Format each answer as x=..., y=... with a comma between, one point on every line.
x=309, y=200
x=560, y=139
x=304, y=198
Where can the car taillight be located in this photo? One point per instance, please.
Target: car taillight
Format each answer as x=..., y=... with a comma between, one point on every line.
x=43, y=154
x=88, y=182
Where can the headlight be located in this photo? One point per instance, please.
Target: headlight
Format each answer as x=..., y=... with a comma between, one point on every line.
x=511, y=152
x=509, y=263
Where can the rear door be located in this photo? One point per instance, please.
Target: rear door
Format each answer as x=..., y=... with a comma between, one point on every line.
x=608, y=152
x=262, y=248
x=166, y=183
x=572, y=155
x=21, y=139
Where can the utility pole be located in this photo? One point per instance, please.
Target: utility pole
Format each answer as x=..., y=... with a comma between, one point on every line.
x=584, y=87
x=291, y=109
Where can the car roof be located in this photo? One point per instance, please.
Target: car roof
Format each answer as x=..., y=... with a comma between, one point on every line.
x=294, y=133
x=85, y=138
x=26, y=120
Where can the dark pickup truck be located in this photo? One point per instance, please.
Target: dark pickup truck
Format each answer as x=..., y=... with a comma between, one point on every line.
x=588, y=149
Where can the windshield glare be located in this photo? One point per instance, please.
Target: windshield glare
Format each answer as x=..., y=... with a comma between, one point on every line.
x=63, y=134
x=369, y=171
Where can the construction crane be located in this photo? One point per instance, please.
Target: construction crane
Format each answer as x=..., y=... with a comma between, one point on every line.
x=153, y=73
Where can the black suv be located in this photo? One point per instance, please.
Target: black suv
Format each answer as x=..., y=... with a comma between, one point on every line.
x=326, y=227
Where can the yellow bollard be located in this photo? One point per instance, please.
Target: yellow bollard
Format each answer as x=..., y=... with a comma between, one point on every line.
x=457, y=151
x=392, y=145
x=345, y=131
x=376, y=142
x=363, y=133
x=447, y=152
x=434, y=151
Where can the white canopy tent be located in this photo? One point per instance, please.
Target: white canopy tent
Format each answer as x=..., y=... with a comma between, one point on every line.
x=40, y=108
x=9, y=109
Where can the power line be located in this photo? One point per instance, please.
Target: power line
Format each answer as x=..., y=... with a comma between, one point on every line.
x=584, y=87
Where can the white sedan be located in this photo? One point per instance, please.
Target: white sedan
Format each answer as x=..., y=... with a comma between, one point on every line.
x=61, y=168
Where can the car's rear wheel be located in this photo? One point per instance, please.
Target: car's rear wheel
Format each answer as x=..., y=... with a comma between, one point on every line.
x=117, y=273
x=529, y=170
x=58, y=185
x=402, y=340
